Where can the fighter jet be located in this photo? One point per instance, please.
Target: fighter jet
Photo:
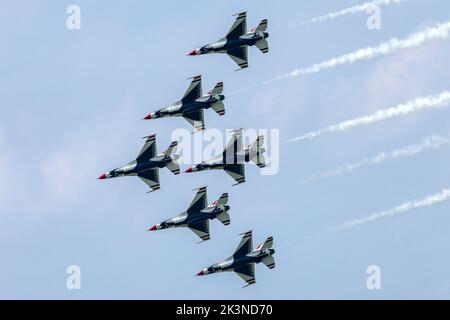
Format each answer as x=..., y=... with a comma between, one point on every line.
x=147, y=164
x=234, y=156
x=191, y=106
x=235, y=44
x=244, y=258
x=197, y=216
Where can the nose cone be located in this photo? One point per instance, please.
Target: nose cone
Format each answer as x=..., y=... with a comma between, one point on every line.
x=154, y=228
x=200, y=273
x=150, y=117
x=102, y=177
x=193, y=53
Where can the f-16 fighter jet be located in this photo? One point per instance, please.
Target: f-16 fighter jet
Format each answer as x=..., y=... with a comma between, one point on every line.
x=244, y=258
x=233, y=158
x=193, y=103
x=147, y=164
x=197, y=216
x=237, y=41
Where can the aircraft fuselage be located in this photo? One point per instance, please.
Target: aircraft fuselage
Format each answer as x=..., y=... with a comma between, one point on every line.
x=181, y=108
x=135, y=167
x=221, y=46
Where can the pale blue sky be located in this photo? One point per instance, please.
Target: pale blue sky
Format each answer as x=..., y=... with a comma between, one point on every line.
x=71, y=106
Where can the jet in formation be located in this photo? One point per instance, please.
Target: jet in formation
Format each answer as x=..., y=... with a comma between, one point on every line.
x=191, y=106
x=234, y=156
x=242, y=262
x=235, y=44
x=197, y=216
x=147, y=164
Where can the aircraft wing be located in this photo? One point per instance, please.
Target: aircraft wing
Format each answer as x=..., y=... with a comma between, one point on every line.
x=234, y=145
x=237, y=172
x=148, y=150
x=194, y=91
x=240, y=56
x=196, y=119
x=151, y=178
x=200, y=201
x=245, y=246
x=239, y=27
x=247, y=273
x=201, y=229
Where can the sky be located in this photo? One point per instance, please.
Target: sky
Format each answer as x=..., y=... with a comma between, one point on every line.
x=72, y=103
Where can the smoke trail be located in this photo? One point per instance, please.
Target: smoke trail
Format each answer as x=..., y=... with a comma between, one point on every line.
x=433, y=142
x=406, y=207
x=419, y=104
x=441, y=31
x=352, y=10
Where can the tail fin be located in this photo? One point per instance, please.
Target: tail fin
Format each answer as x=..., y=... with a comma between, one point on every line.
x=262, y=26
x=171, y=153
x=218, y=89
x=257, y=152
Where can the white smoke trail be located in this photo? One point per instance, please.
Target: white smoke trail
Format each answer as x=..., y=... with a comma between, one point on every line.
x=352, y=10
x=418, y=104
x=433, y=142
x=440, y=32
x=404, y=208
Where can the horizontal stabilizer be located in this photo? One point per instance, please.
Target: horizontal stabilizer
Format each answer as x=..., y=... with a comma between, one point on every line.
x=219, y=107
x=257, y=151
x=218, y=89
x=262, y=45
x=172, y=149
x=222, y=200
x=224, y=218
x=262, y=26
x=268, y=244
x=269, y=261
x=173, y=167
